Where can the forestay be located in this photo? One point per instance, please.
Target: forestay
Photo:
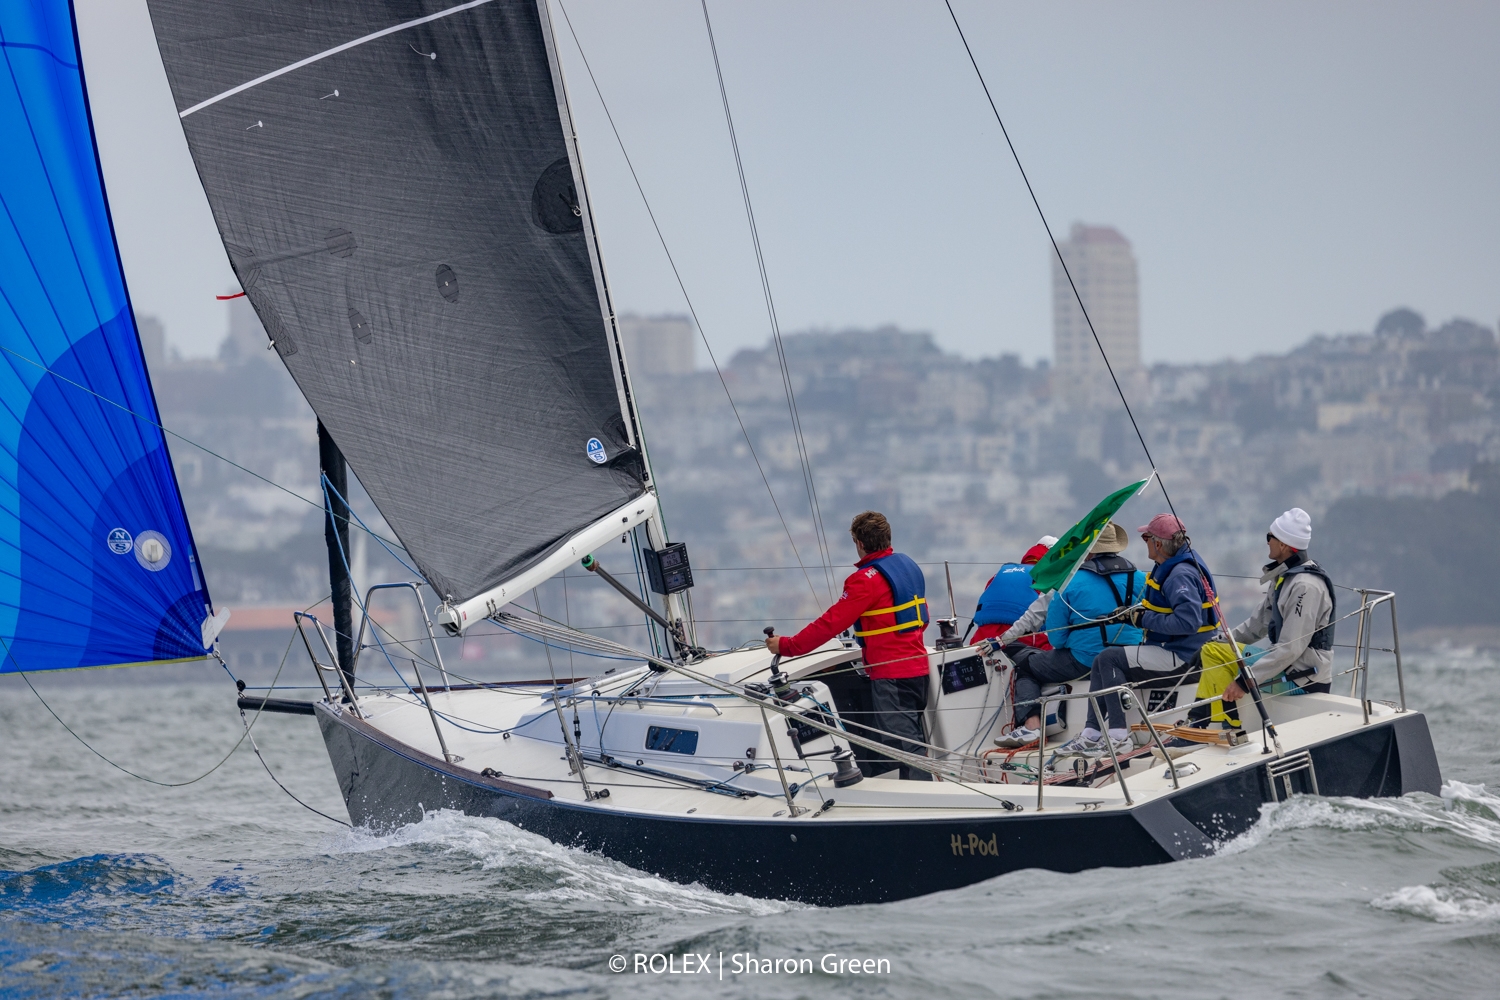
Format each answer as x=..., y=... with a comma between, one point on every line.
x=97, y=565
x=399, y=193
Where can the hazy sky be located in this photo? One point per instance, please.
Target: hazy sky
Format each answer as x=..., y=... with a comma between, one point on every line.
x=1281, y=168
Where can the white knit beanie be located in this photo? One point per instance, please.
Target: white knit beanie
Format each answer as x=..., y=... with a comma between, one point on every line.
x=1294, y=528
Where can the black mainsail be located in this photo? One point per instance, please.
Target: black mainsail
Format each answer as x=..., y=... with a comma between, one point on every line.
x=399, y=191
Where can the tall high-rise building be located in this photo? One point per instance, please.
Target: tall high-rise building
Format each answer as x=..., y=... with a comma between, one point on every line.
x=247, y=340
x=1103, y=267
x=658, y=345
x=153, y=341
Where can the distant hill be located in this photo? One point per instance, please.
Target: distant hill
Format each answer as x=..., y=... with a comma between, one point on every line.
x=1440, y=556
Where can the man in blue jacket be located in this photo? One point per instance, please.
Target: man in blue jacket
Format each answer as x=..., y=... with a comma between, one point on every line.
x=1176, y=618
x=1104, y=582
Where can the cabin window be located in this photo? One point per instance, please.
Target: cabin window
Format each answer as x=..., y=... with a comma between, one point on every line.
x=672, y=740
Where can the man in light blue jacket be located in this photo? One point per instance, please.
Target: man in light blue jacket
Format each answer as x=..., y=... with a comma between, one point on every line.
x=1104, y=582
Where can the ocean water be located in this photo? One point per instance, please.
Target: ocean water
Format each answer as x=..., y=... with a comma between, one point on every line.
x=226, y=888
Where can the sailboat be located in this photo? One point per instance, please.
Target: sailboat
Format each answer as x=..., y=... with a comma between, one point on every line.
x=399, y=190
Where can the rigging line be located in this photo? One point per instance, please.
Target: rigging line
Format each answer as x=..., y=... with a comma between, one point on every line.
x=39, y=48
x=363, y=609
x=119, y=767
x=688, y=299
x=167, y=430
x=568, y=620
x=350, y=508
x=819, y=530
x=249, y=723
x=390, y=661
x=1058, y=251
x=270, y=774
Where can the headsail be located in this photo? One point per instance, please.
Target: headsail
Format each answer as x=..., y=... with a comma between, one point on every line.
x=97, y=565
x=398, y=189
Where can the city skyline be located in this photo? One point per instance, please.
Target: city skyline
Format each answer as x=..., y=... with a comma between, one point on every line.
x=1274, y=183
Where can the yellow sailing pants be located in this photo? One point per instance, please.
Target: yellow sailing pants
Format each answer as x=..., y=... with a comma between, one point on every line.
x=1220, y=667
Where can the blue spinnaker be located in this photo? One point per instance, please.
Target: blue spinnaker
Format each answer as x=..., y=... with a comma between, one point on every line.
x=97, y=563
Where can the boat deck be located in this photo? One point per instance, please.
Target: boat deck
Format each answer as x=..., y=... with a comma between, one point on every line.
x=663, y=745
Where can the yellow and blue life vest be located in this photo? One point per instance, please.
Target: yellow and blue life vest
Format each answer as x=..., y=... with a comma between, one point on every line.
x=908, y=596
x=1154, y=601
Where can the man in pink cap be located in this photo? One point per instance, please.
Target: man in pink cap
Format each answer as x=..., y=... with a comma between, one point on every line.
x=1176, y=618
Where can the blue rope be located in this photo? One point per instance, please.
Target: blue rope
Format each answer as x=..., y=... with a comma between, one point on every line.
x=375, y=632
x=365, y=611
x=347, y=506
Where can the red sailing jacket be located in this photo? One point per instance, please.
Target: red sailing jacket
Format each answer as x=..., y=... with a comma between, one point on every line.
x=890, y=655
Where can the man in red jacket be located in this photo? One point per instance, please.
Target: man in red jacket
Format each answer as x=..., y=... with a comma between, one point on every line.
x=885, y=600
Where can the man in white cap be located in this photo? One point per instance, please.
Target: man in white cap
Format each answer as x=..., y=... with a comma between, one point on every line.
x=1296, y=614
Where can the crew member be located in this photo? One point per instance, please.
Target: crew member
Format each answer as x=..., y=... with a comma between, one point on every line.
x=1176, y=618
x=1296, y=614
x=1007, y=595
x=1104, y=582
x=885, y=600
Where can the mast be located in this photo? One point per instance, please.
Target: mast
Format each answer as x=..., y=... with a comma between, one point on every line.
x=335, y=474
x=678, y=608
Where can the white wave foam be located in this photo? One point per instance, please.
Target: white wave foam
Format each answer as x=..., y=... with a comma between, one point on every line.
x=579, y=875
x=1444, y=905
x=1472, y=799
x=1465, y=810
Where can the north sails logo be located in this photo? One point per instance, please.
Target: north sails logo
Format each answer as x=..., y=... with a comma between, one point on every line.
x=596, y=451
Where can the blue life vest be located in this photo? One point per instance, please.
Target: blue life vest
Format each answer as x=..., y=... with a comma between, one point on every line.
x=908, y=596
x=1007, y=597
x=1181, y=644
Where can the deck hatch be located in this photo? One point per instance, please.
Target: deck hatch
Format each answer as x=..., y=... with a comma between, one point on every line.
x=672, y=740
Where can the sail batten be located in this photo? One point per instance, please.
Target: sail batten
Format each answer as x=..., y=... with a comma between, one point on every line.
x=407, y=216
x=97, y=563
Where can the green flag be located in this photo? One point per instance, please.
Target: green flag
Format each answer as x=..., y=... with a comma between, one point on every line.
x=1056, y=568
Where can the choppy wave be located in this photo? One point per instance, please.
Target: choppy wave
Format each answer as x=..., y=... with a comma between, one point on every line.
x=575, y=875
x=228, y=890
x=1444, y=904
x=125, y=877
x=1466, y=810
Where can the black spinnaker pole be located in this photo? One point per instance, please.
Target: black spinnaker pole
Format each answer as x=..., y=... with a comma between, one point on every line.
x=336, y=534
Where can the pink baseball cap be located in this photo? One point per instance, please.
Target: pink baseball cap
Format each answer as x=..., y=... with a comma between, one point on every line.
x=1162, y=526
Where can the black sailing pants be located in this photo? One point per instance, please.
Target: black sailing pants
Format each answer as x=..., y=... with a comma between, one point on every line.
x=1039, y=668
x=897, y=706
